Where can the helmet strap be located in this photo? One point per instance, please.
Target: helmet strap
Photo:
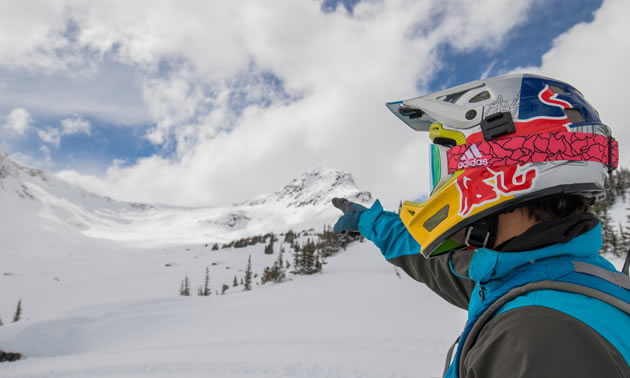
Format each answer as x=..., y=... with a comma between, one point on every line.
x=483, y=233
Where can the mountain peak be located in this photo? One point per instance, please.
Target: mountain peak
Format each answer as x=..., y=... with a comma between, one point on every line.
x=9, y=168
x=316, y=187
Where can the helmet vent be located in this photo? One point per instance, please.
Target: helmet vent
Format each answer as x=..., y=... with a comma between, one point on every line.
x=480, y=97
x=436, y=219
x=556, y=89
x=574, y=115
x=410, y=112
x=453, y=97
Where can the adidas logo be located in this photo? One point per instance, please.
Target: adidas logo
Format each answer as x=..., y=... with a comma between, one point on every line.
x=472, y=158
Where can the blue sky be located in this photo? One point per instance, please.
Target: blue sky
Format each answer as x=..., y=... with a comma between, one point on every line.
x=239, y=89
x=524, y=46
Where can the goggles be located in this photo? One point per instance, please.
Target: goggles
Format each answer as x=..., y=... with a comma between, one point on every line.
x=443, y=140
x=439, y=166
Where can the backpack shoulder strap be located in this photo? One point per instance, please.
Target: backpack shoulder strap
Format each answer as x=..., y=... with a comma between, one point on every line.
x=607, y=275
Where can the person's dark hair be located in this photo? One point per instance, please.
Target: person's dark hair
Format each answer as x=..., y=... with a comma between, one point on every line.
x=556, y=206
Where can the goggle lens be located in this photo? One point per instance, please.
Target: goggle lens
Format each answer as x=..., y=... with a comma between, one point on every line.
x=436, y=166
x=439, y=166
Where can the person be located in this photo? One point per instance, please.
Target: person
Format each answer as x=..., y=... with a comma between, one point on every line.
x=515, y=163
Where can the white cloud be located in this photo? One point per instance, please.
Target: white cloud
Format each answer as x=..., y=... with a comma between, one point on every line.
x=75, y=125
x=594, y=57
x=315, y=85
x=50, y=136
x=69, y=126
x=18, y=121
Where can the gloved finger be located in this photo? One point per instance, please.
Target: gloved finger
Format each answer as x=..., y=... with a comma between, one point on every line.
x=343, y=204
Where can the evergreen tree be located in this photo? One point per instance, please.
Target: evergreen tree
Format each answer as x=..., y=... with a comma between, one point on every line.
x=206, y=285
x=625, y=233
x=185, y=287
x=310, y=259
x=248, y=275
x=297, y=257
x=289, y=237
x=622, y=241
x=18, y=312
x=275, y=273
x=235, y=283
x=269, y=247
x=608, y=232
x=329, y=242
x=224, y=289
x=215, y=247
x=1, y=324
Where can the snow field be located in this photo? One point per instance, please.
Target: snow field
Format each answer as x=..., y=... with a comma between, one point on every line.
x=356, y=319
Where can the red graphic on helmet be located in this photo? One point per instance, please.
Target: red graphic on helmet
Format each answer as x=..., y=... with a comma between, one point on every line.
x=547, y=96
x=489, y=184
x=539, y=124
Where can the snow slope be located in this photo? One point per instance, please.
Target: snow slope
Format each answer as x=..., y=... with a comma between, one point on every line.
x=33, y=199
x=99, y=282
x=357, y=319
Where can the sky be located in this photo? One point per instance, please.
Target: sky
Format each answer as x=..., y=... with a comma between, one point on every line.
x=207, y=103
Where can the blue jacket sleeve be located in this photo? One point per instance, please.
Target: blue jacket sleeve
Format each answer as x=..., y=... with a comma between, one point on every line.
x=387, y=232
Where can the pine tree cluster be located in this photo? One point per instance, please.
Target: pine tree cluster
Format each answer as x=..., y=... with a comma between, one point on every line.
x=248, y=241
x=276, y=272
x=184, y=287
x=615, y=232
x=309, y=257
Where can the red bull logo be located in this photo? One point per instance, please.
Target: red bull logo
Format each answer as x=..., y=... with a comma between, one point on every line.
x=489, y=185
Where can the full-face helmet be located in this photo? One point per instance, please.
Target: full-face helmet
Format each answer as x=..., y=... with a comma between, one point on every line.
x=498, y=143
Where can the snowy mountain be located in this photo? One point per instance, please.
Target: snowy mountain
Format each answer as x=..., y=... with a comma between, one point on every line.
x=42, y=202
x=98, y=283
x=315, y=188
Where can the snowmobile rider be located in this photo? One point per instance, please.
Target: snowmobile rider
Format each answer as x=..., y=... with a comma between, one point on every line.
x=515, y=163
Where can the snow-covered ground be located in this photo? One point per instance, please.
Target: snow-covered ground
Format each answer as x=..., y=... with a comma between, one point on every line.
x=99, y=283
x=119, y=315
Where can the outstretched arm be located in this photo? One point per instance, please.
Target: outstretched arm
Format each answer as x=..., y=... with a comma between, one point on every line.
x=445, y=274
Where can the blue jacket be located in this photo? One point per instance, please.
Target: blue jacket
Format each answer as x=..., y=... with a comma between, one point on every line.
x=495, y=273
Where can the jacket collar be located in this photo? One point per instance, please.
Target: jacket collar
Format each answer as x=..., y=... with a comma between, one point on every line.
x=487, y=264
